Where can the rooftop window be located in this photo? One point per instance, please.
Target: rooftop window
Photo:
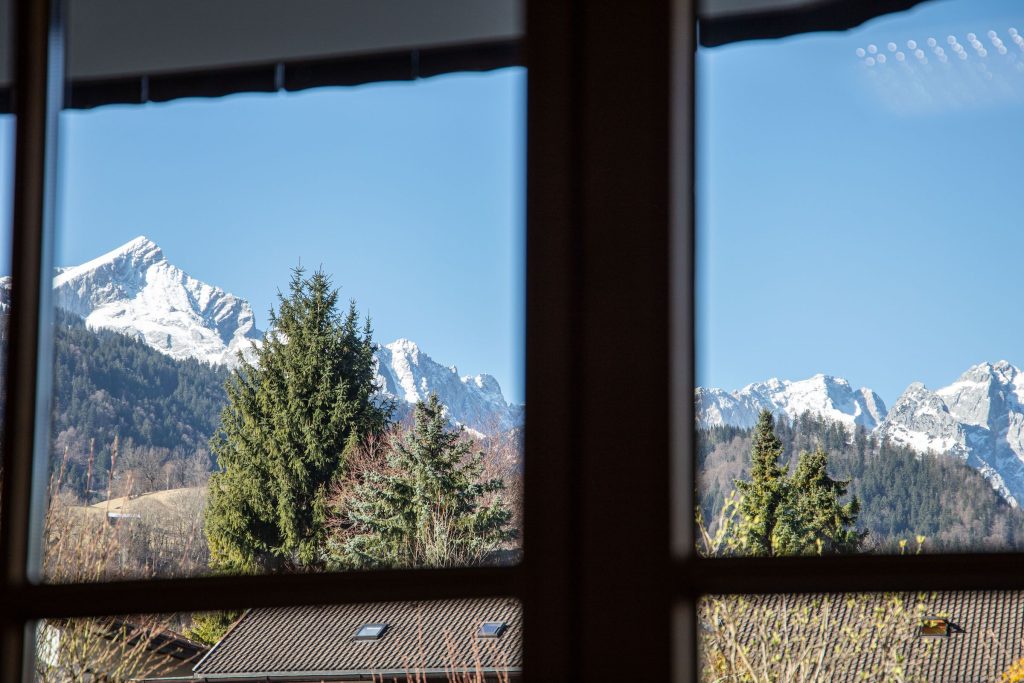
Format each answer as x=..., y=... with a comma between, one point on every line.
x=491, y=629
x=370, y=632
x=934, y=626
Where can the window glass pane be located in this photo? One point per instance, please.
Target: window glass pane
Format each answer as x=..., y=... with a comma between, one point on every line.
x=866, y=636
x=856, y=233
x=259, y=296
x=436, y=640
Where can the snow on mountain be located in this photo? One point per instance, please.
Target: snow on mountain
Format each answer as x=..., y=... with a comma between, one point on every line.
x=979, y=418
x=134, y=290
x=407, y=374
x=830, y=397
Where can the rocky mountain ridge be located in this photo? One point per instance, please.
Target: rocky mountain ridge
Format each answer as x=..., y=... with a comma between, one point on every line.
x=978, y=419
x=136, y=291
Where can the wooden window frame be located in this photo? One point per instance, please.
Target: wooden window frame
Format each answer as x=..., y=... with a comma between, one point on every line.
x=609, y=310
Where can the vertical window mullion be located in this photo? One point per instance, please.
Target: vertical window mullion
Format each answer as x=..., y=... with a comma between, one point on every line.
x=37, y=90
x=683, y=475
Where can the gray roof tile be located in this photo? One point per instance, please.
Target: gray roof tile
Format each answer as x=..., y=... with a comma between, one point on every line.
x=421, y=636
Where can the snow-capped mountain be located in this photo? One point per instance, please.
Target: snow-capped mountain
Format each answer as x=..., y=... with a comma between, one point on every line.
x=830, y=397
x=979, y=418
x=136, y=291
x=407, y=374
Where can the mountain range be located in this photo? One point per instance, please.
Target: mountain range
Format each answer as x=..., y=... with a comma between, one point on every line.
x=134, y=290
x=978, y=419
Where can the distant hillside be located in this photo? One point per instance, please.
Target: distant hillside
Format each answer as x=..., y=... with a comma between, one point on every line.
x=903, y=493
x=107, y=385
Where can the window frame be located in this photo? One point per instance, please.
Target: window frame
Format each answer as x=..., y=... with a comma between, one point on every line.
x=609, y=267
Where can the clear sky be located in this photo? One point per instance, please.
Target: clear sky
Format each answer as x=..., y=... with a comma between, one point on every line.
x=410, y=194
x=859, y=217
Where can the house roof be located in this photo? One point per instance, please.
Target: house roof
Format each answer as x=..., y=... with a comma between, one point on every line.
x=986, y=637
x=427, y=637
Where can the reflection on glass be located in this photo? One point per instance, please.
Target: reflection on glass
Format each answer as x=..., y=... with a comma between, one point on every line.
x=223, y=400
x=407, y=641
x=858, y=358
x=943, y=637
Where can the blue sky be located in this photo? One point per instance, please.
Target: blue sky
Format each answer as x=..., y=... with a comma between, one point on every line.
x=858, y=218
x=411, y=195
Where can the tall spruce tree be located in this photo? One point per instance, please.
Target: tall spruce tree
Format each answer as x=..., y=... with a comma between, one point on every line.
x=428, y=506
x=290, y=418
x=821, y=524
x=765, y=497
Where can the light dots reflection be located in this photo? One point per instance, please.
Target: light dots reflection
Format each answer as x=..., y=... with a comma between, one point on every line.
x=987, y=70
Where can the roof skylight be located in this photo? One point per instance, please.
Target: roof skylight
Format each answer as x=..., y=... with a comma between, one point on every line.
x=491, y=629
x=370, y=632
x=934, y=626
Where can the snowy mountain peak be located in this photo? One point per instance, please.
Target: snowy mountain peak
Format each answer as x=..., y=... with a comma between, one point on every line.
x=138, y=253
x=134, y=290
x=406, y=348
x=409, y=375
x=979, y=418
x=1002, y=372
x=821, y=394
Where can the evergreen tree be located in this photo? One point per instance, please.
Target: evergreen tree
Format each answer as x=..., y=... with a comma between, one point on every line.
x=820, y=523
x=764, y=497
x=429, y=506
x=290, y=417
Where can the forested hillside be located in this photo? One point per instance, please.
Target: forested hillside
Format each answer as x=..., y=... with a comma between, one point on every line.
x=162, y=411
x=903, y=493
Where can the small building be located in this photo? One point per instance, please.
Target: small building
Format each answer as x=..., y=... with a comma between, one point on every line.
x=446, y=640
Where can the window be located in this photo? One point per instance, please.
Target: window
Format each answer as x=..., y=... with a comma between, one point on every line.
x=371, y=632
x=605, y=180
x=803, y=186
x=934, y=626
x=492, y=629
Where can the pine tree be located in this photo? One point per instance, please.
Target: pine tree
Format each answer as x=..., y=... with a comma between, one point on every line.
x=290, y=417
x=764, y=497
x=821, y=524
x=430, y=505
